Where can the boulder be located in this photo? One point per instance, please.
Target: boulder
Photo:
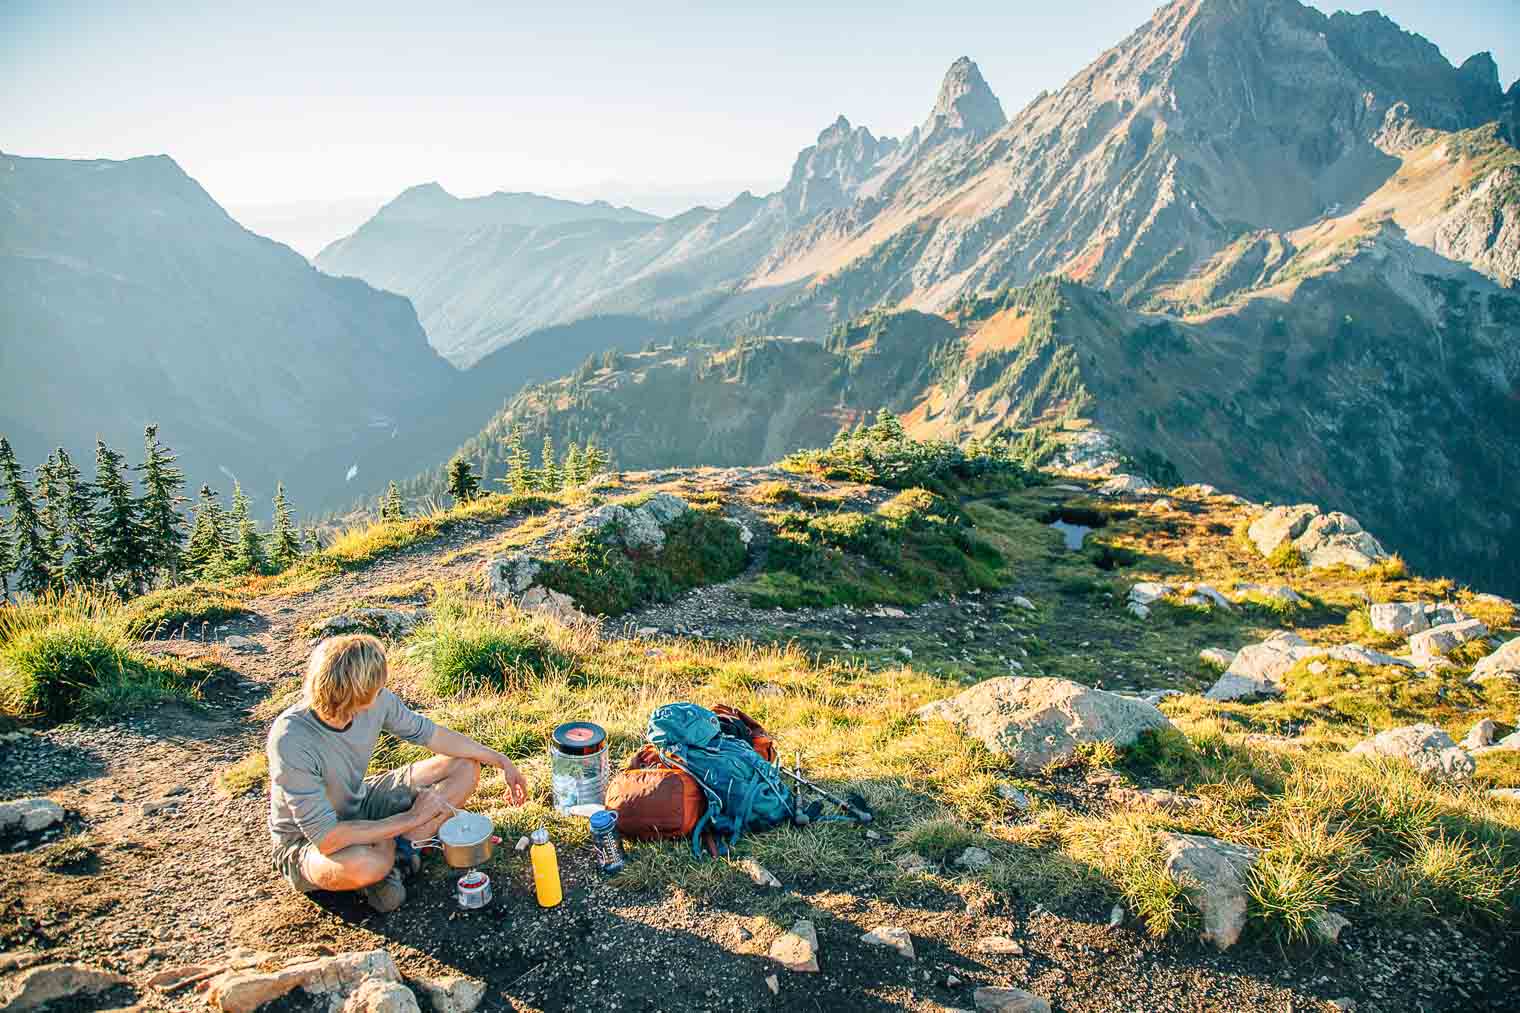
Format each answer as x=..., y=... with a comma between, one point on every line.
x=1335, y=539
x=1213, y=877
x=28, y=815
x=797, y=948
x=641, y=529
x=1280, y=524
x=1280, y=592
x=453, y=994
x=893, y=936
x=1038, y=721
x=1258, y=670
x=1504, y=795
x=1431, y=750
x=547, y=602
x=745, y=534
x=1148, y=592
x=1203, y=594
x=1126, y=485
x=243, y=645
x=243, y=991
x=377, y=995
x=381, y=621
x=1439, y=641
x=1138, y=610
x=1484, y=733
x=37, y=986
x=1440, y=615
x=510, y=576
x=1356, y=654
x=1008, y=1000
x=1509, y=744
x=974, y=859
x=1502, y=664
x=1218, y=657
x=1403, y=618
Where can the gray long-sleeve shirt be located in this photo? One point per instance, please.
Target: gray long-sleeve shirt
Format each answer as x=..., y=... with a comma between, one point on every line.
x=316, y=773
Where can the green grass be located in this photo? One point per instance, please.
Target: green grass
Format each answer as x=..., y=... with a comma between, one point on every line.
x=471, y=645
x=248, y=774
x=178, y=610
x=68, y=656
x=604, y=578
x=884, y=456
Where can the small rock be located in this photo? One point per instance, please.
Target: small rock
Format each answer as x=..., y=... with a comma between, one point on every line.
x=29, y=815
x=797, y=948
x=40, y=985
x=1023, y=603
x=894, y=936
x=759, y=874
x=872, y=835
x=1213, y=874
x=377, y=995
x=1138, y=610
x=1345, y=1004
x=559, y=607
x=1013, y=796
x=1009, y=1000
x=1148, y=592
x=1001, y=945
x=1439, y=641
x=951, y=981
x=1481, y=734
x=1504, y=663
x=974, y=858
x=773, y=983
x=154, y=807
x=1428, y=748
x=1504, y=794
x=243, y=645
x=454, y=994
x=1217, y=657
x=911, y=862
x=1327, y=926
x=1116, y=916
x=906, y=653
x=645, y=632
x=742, y=934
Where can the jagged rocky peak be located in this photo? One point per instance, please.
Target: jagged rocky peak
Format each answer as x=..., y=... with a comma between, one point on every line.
x=1482, y=71
x=965, y=104
x=827, y=174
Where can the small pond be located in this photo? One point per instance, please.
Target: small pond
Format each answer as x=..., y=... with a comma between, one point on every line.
x=1074, y=534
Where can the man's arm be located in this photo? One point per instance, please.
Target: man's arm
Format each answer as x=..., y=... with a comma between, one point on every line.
x=347, y=833
x=447, y=742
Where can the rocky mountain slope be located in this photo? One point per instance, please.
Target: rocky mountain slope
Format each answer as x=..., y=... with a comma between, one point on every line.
x=1333, y=392
x=131, y=297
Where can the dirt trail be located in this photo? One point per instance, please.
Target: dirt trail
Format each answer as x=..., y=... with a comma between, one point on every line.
x=179, y=874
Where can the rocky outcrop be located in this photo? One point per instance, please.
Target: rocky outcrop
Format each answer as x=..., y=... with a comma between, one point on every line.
x=1320, y=539
x=557, y=606
x=1409, y=618
x=28, y=815
x=640, y=530
x=1213, y=877
x=47, y=984
x=509, y=576
x=1502, y=664
x=1127, y=485
x=1439, y=641
x=1258, y=670
x=384, y=622
x=244, y=990
x=1431, y=751
x=1036, y=722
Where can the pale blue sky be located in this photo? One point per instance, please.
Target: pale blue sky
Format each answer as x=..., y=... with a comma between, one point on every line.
x=277, y=102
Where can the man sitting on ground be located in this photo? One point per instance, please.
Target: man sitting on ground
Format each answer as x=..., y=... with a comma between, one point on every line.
x=334, y=828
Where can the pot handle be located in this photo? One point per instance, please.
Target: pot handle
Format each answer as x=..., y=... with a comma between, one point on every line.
x=431, y=842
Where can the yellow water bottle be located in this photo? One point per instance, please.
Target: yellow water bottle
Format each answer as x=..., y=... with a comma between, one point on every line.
x=545, y=869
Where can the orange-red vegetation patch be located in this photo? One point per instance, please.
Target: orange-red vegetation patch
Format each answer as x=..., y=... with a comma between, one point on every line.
x=1002, y=331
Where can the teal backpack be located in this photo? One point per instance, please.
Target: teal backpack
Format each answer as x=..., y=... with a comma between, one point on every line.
x=743, y=789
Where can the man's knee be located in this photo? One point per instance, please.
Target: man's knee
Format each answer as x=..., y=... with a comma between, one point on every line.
x=465, y=770
x=372, y=865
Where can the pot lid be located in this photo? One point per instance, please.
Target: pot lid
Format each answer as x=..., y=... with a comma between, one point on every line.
x=579, y=738
x=465, y=828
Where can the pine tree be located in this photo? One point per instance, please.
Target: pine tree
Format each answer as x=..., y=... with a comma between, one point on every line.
x=7, y=560
x=313, y=540
x=121, y=556
x=391, y=508
x=285, y=543
x=163, y=525
x=209, y=544
x=463, y=483
x=28, y=547
x=520, y=476
x=248, y=549
x=77, y=510
x=50, y=520
x=549, y=479
x=572, y=469
x=888, y=426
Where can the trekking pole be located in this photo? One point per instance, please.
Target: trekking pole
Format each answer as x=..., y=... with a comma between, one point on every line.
x=853, y=807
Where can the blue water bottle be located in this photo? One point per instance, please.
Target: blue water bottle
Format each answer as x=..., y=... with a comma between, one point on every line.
x=605, y=839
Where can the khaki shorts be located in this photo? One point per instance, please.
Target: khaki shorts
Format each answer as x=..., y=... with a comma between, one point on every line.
x=385, y=795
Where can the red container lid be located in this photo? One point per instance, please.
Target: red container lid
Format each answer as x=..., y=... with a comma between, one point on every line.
x=579, y=738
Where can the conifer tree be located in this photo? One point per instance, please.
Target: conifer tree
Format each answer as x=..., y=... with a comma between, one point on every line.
x=391, y=508
x=77, y=509
x=248, y=549
x=520, y=477
x=7, y=560
x=463, y=483
x=313, y=540
x=572, y=469
x=549, y=479
x=50, y=520
x=28, y=546
x=121, y=555
x=888, y=426
x=209, y=544
x=594, y=461
x=163, y=525
x=285, y=543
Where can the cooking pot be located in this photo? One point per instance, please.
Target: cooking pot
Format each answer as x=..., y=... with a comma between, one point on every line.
x=465, y=839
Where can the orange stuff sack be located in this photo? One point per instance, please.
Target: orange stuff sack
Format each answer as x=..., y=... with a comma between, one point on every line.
x=655, y=801
x=753, y=733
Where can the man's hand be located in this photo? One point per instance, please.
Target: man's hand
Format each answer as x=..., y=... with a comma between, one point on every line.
x=517, y=785
x=428, y=806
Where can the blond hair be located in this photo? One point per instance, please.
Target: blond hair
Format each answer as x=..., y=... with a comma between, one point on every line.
x=344, y=674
